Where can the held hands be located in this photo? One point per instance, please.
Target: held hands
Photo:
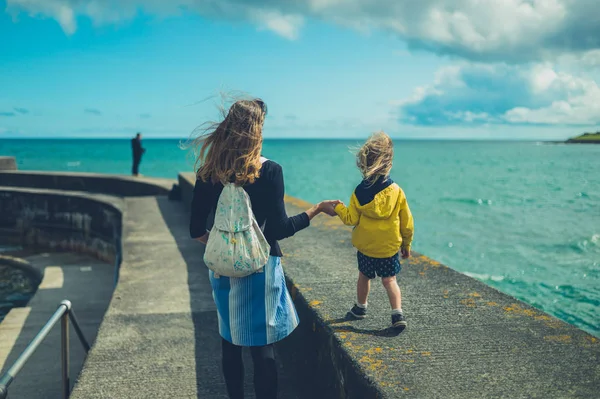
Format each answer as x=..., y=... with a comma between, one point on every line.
x=328, y=206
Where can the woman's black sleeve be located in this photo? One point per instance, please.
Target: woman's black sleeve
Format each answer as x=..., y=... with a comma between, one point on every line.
x=279, y=225
x=201, y=206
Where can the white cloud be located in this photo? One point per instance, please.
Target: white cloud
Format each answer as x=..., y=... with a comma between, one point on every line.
x=287, y=26
x=504, y=94
x=103, y=12
x=60, y=10
x=591, y=59
x=492, y=30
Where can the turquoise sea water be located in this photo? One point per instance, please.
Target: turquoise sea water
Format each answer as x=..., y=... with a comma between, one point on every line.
x=523, y=217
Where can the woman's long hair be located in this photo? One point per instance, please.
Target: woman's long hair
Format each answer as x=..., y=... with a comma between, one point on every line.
x=229, y=151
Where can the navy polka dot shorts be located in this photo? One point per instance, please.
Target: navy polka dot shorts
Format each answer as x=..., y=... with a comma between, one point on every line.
x=382, y=267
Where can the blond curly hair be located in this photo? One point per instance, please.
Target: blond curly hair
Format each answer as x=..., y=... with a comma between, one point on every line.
x=375, y=157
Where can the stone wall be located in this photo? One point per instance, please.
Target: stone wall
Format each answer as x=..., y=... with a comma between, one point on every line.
x=62, y=221
x=8, y=163
x=123, y=186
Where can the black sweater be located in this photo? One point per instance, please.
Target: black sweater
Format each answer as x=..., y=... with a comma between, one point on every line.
x=266, y=195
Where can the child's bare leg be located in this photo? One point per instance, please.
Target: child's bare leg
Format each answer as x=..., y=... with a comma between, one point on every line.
x=393, y=291
x=363, y=286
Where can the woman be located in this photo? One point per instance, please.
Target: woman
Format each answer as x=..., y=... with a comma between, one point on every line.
x=254, y=311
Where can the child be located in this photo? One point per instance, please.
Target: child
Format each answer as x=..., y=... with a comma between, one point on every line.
x=383, y=225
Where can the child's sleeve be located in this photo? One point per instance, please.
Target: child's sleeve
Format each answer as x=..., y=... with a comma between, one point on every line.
x=407, y=224
x=348, y=214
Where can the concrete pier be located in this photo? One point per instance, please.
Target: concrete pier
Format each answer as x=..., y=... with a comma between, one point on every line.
x=159, y=335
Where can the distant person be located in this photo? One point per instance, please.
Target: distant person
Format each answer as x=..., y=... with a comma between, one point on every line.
x=137, y=152
x=383, y=226
x=253, y=311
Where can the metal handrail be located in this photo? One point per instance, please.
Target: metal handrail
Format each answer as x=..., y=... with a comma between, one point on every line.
x=64, y=313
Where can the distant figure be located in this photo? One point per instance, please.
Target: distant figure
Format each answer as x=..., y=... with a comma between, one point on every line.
x=383, y=226
x=137, y=150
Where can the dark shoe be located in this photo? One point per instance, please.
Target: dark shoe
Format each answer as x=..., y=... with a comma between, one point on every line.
x=399, y=321
x=358, y=312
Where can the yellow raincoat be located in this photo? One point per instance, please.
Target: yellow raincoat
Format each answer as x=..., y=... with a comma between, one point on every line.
x=383, y=225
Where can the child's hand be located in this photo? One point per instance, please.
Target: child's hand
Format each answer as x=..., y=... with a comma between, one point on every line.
x=405, y=253
x=328, y=207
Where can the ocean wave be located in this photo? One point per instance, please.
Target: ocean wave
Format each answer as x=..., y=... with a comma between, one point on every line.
x=589, y=243
x=484, y=277
x=579, y=294
x=582, y=318
x=469, y=201
x=580, y=245
x=74, y=164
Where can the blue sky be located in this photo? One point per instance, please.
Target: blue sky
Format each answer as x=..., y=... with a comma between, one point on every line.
x=515, y=69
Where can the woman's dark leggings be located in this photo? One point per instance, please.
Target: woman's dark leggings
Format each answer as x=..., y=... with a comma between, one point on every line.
x=265, y=371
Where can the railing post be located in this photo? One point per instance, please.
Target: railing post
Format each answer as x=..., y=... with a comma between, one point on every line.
x=65, y=355
x=64, y=313
x=77, y=328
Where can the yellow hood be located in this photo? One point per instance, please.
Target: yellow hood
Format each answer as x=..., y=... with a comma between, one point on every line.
x=383, y=204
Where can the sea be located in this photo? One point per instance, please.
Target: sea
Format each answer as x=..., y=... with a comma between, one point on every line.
x=523, y=217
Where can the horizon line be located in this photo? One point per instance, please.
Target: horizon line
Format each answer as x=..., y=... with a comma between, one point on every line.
x=299, y=138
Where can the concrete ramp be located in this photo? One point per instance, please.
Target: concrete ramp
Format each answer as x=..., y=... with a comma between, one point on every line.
x=88, y=284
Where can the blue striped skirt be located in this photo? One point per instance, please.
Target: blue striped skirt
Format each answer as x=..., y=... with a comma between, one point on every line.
x=255, y=310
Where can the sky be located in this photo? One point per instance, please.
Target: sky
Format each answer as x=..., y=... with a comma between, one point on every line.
x=464, y=69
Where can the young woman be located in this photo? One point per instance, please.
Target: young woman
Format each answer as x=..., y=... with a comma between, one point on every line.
x=254, y=311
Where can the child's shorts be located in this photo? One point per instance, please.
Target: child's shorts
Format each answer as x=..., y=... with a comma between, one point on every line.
x=382, y=267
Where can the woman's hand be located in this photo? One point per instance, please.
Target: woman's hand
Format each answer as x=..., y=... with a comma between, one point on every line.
x=327, y=207
x=203, y=239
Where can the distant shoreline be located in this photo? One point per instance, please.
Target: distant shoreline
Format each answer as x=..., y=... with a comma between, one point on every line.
x=586, y=138
x=575, y=141
x=570, y=141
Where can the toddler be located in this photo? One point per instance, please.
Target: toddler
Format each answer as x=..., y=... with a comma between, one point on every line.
x=383, y=225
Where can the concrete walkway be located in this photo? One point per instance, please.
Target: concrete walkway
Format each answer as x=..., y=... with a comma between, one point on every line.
x=159, y=338
x=464, y=339
x=88, y=284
